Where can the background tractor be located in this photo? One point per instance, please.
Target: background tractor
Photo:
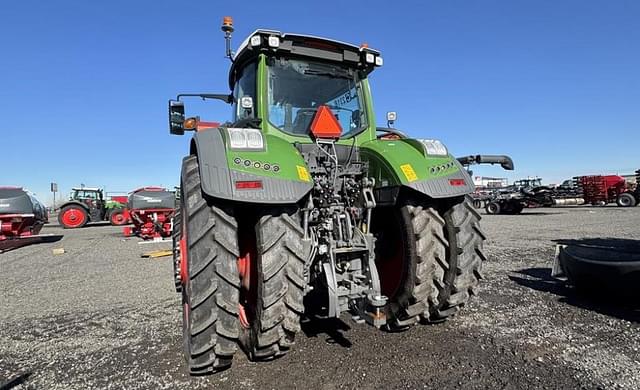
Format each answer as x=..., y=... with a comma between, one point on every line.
x=301, y=206
x=89, y=205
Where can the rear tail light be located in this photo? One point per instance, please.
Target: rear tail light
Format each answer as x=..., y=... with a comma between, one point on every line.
x=249, y=185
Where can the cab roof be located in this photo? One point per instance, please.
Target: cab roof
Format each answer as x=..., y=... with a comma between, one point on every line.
x=300, y=45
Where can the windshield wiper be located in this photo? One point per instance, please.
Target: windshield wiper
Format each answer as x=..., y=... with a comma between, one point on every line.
x=337, y=75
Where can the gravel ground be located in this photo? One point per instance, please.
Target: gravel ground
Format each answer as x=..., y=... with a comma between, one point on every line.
x=101, y=317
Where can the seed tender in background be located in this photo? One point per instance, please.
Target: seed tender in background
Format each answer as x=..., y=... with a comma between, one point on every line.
x=151, y=210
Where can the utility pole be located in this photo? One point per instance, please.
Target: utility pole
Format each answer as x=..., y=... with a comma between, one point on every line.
x=54, y=189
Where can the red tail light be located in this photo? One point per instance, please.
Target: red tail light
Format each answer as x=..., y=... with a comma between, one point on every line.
x=456, y=182
x=249, y=185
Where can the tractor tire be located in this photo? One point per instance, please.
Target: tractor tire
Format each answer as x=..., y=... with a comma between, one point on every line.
x=409, y=242
x=73, y=217
x=604, y=270
x=117, y=218
x=272, y=267
x=626, y=200
x=463, y=265
x=493, y=208
x=175, y=238
x=514, y=209
x=211, y=282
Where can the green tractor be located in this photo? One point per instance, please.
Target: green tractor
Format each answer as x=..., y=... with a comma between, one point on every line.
x=89, y=205
x=302, y=206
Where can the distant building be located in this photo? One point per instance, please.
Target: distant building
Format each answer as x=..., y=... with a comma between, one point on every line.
x=490, y=182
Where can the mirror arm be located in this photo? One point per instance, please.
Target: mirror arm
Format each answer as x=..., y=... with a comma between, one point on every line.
x=225, y=98
x=505, y=161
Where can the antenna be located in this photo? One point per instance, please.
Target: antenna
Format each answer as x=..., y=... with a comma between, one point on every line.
x=227, y=28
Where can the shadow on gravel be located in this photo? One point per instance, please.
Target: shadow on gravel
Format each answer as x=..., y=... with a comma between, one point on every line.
x=333, y=328
x=102, y=223
x=540, y=279
x=15, y=381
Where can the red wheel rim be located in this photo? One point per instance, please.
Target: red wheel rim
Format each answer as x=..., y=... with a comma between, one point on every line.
x=184, y=271
x=117, y=218
x=391, y=264
x=184, y=277
x=248, y=271
x=73, y=217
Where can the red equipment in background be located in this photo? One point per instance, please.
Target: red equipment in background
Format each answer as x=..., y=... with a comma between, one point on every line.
x=22, y=217
x=19, y=226
x=151, y=210
x=600, y=189
x=119, y=216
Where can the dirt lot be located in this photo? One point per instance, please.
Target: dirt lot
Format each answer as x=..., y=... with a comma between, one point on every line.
x=99, y=317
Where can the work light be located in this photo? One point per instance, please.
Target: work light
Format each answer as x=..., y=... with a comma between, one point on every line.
x=434, y=147
x=256, y=40
x=274, y=42
x=245, y=138
x=369, y=58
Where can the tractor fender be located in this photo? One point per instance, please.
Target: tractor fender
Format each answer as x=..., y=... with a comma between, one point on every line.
x=75, y=203
x=404, y=163
x=220, y=170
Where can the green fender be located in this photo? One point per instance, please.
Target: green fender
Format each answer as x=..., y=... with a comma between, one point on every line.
x=230, y=174
x=404, y=163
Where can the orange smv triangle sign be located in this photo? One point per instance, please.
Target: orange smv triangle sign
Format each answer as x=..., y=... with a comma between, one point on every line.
x=325, y=124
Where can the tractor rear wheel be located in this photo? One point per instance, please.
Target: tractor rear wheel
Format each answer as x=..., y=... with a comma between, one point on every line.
x=209, y=275
x=493, y=208
x=463, y=265
x=626, y=200
x=409, y=242
x=117, y=217
x=271, y=266
x=72, y=217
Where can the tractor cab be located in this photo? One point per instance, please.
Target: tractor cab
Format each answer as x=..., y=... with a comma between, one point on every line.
x=93, y=198
x=297, y=87
x=92, y=194
x=310, y=86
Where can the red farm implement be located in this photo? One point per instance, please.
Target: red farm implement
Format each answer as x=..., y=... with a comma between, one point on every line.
x=604, y=189
x=22, y=217
x=151, y=210
x=19, y=226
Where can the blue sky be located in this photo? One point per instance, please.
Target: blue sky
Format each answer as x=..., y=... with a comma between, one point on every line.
x=84, y=85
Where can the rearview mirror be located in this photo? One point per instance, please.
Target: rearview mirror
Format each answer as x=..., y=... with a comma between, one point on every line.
x=176, y=117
